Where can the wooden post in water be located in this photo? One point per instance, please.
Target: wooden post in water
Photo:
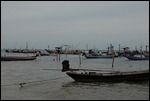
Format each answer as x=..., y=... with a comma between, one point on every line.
x=113, y=53
x=27, y=49
x=57, y=57
x=59, y=54
x=58, y=50
x=66, y=55
x=113, y=62
x=79, y=59
x=119, y=49
x=146, y=47
x=66, y=52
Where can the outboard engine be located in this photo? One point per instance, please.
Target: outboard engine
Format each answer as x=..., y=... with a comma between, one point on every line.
x=65, y=65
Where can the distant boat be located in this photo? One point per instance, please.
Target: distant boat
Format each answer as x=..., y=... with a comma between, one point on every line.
x=49, y=51
x=99, y=57
x=17, y=58
x=138, y=57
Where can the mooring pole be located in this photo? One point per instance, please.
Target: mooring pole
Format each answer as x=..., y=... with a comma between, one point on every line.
x=79, y=59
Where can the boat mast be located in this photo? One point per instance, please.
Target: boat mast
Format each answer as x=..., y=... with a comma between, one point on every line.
x=141, y=50
x=48, y=47
x=86, y=46
x=27, y=48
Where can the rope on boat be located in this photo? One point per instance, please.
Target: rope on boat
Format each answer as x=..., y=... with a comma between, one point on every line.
x=23, y=83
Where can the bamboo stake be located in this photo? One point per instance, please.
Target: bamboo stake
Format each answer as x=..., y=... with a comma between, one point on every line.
x=79, y=59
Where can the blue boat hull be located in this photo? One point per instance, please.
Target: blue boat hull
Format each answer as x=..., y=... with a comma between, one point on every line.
x=137, y=58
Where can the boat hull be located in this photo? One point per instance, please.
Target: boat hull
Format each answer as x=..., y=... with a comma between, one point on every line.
x=99, y=57
x=13, y=58
x=137, y=58
x=109, y=78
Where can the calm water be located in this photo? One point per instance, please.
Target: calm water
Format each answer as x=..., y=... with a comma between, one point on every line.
x=44, y=84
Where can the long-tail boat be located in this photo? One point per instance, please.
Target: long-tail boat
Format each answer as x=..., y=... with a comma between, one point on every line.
x=88, y=75
x=103, y=76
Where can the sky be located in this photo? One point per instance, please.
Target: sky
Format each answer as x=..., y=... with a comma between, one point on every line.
x=78, y=24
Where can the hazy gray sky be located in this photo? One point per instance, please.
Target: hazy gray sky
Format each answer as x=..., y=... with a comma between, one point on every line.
x=74, y=23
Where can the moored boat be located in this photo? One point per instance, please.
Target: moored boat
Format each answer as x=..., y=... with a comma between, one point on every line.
x=17, y=58
x=114, y=76
x=91, y=54
x=99, y=57
x=138, y=57
x=89, y=75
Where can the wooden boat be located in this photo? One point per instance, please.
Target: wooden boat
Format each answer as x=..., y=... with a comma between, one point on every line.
x=103, y=76
x=49, y=51
x=99, y=57
x=17, y=58
x=87, y=75
x=92, y=54
x=138, y=57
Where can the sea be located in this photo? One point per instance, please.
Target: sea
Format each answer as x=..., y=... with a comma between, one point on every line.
x=42, y=79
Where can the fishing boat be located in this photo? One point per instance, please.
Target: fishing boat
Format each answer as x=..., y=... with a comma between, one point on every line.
x=91, y=54
x=142, y=55
x=99, y=56
x=107, y=76
x=17, y=58
x=88, y=75
x=138, y=57
x=49, y=51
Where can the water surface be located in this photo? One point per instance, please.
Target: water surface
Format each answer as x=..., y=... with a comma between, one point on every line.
x=44, y=84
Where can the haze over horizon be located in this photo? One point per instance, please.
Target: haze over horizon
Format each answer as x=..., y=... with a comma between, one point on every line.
x=75, y=23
